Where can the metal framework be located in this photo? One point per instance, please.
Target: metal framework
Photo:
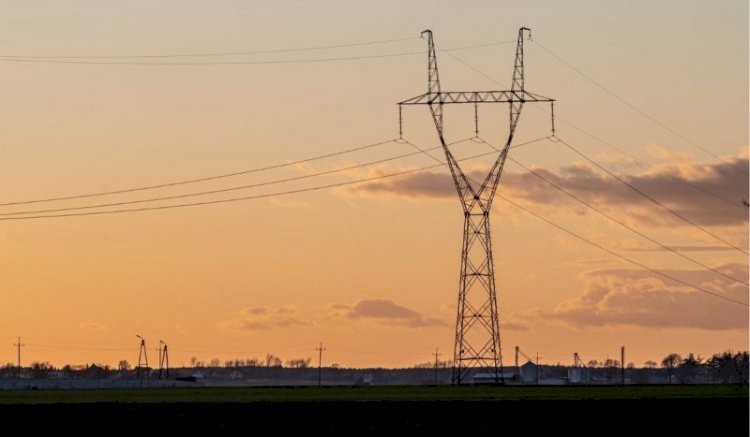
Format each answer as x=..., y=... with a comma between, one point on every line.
x=142, y=360
x=163, y=359
x=477, y=341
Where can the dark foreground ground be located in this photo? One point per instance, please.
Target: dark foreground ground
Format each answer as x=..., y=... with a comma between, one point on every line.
x=631, y=410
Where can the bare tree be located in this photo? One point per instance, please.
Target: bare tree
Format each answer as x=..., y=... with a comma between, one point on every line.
x=671, y=361
x=272, y=360
x=299, y=363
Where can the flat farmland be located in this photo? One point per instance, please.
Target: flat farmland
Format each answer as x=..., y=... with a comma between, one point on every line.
x=418, y=410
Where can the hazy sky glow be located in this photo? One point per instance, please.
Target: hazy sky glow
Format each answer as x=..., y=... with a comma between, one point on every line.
x=371, y=269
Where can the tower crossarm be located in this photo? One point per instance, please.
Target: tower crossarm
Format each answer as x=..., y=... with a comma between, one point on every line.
x=450, y=97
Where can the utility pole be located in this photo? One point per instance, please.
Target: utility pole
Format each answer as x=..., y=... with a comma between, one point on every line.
x=537, y=368
x=477, y=338
x=517, y=350
x=622, y=365
x=436, y=366
x=320, y=350
x=18, y=346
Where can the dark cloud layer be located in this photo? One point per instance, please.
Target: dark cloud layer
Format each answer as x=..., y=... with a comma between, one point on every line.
x=600, y=189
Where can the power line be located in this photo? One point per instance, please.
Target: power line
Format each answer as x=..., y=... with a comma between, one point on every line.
x=215, y=54
x=264, y=62
x=203, y=179
x=385, y=176
x=619, y=222
x=221, y=190
x=11, y=216
x=237, y=199
x=624, y=258
x=648, y=197
x=599, y=246
x=736, y=204
x=636, y=109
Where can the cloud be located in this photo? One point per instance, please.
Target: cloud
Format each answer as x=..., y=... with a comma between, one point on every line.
x=639, y=298
x=513, y=325
x=668, y=183
x=262, y=318
x=384, y=311
x=94, y=326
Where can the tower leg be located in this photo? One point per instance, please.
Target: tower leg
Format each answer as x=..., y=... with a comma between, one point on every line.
x=477, y=345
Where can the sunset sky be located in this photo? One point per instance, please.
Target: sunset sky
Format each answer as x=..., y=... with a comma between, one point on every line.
x=370, y=269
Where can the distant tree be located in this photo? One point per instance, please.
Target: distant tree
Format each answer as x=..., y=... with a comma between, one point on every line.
x=689, y=368
x=193, y=361
x=272, y=360
x=592, y=363
x=252, y=362
x=671, y=361
x=40, y=370
x=68, y=371
x=215, y=362
x=630, y=366
x=299, y=363
x=729, y=367
x=611, y=363
x=8, y=370
x=123, y=365
x=650, y=364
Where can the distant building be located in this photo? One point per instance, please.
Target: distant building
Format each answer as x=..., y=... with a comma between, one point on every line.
x=529, y=372
x=579, y=375
x=492, y=377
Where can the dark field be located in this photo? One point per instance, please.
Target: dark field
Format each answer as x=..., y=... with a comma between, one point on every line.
x=636, y=410
x=374, y=393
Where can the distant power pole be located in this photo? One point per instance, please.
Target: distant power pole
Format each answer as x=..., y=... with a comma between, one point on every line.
x=436, y=365
x=622, y=365
x=142, y=358
x=163, y=359
x=320, y=350
x=517, y=350
x=18, y=346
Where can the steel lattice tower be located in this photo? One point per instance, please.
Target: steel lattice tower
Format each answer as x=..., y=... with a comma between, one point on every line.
x=477, y=343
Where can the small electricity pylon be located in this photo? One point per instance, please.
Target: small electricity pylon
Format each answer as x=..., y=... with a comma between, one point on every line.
x=477, y=344
x=163, y=359
x=142, y=359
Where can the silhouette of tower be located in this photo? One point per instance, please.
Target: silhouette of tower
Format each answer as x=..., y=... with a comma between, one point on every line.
x=142, y=359
x=163, y=359
x=477, y=341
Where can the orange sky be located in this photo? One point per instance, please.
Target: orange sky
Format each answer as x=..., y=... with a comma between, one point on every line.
x=371, y=270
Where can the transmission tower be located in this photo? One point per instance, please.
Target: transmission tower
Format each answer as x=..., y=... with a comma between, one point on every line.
x=163, y=359
x=477, y=343
x=142, y=359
